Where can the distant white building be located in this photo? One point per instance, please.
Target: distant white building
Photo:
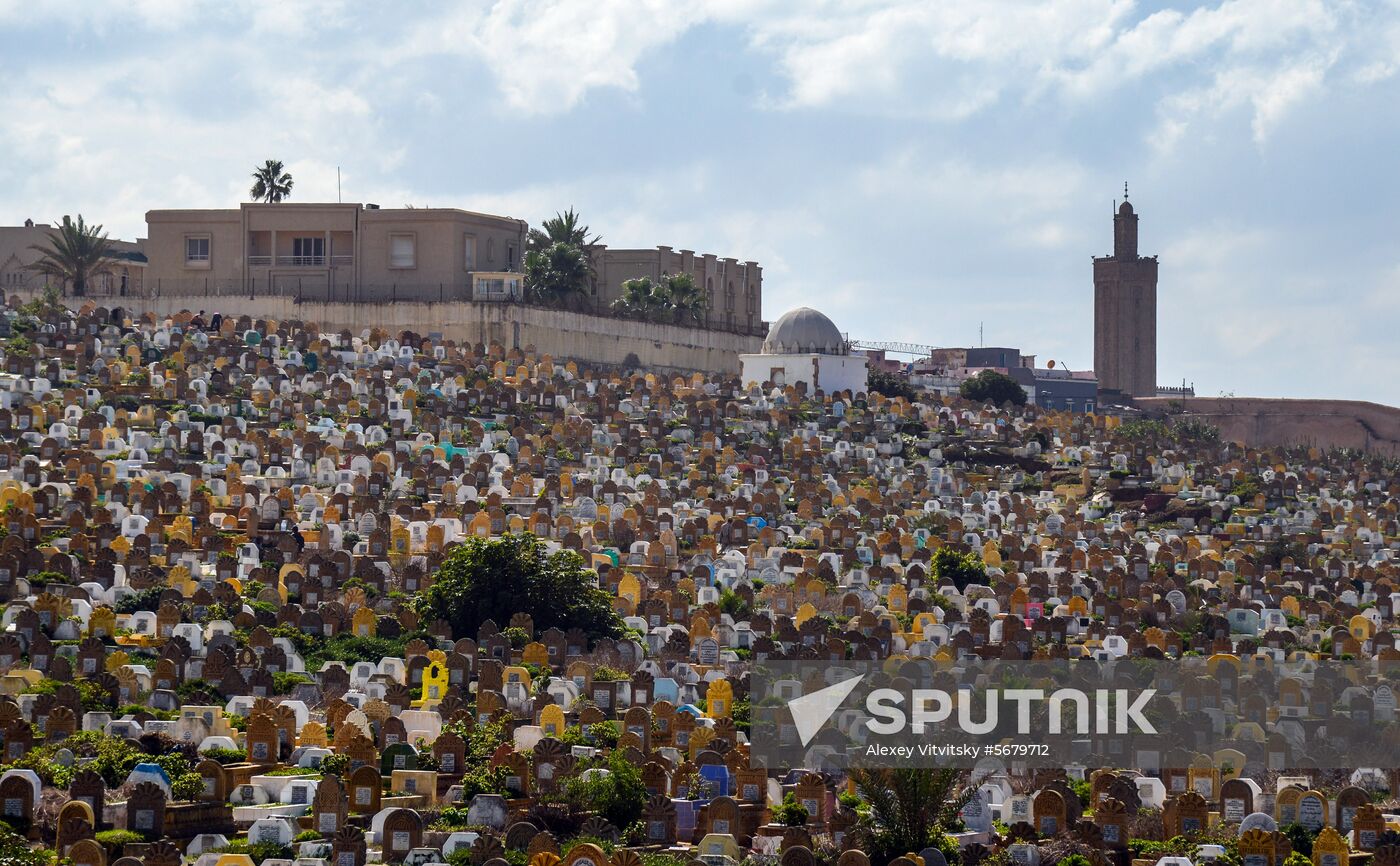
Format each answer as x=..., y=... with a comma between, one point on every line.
x=805, y=346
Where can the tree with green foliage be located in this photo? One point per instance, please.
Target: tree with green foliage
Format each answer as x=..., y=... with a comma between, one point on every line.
x=688, y=304
x=558, y=275
x=618, y=796
x=562, y=228
x=674, y=299
x=890, y=384
x=641, y=298
x=911, y=808
x=270, y=183
x=74, y=255
x=989, y=386
x=959, y=568
x=1195, y=431
x=145, y=599
x=498, y=577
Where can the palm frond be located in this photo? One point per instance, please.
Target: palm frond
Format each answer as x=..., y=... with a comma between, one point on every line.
x=75, y=254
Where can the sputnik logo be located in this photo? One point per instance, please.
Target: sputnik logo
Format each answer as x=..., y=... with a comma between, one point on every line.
x=810, y=712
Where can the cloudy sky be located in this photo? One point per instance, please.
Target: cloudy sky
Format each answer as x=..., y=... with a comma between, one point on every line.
x=916, y=170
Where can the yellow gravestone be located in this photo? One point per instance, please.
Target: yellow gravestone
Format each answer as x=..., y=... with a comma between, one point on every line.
x=435, y=680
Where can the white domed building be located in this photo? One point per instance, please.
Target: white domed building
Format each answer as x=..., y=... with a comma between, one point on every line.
x=805, y=346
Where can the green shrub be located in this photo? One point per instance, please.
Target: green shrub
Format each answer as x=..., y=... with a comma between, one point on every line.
x=284, y=682
x=961, y=569
x=618, y=797
x=496, y=578
x=790, y=813
x=146, y=599
x=225, y=756
x=335, y=765
x=113, y=839
x=604, y=734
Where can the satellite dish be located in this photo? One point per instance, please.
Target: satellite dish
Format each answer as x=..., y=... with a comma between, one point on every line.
x=1050, y=365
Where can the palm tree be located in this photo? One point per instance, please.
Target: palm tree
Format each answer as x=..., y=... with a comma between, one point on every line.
x=642, y=298
x=270, y=183
x=75, y=254
x=557, y=275
x=562, y=228
x=674, y=299
x=910, y=807
x=566, y=228
x=688, y=304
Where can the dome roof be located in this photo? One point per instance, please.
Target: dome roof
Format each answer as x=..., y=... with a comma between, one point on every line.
x=804, y=331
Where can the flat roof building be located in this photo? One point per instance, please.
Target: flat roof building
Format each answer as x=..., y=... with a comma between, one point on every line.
x=333, y=252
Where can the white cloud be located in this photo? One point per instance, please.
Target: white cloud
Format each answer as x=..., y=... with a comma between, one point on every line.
x=948, y=61
x=546, y=55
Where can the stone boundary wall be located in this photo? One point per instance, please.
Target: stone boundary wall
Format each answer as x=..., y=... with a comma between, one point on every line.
x=563, y=334
x=1265, y=421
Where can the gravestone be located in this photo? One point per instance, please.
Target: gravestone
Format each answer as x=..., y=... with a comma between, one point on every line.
x=145, y=810
x=1256, y=847
x=1330, y=849
x=1312, y=810
x=1236, y=801
x=1049, y=810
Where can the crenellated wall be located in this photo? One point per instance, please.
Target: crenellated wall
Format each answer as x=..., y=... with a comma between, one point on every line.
x=1265, y=421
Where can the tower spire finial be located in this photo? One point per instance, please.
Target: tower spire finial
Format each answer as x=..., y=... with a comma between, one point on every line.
x=1125, y=190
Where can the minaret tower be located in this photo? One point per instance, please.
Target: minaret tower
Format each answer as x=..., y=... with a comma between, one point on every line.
x=1125, y=312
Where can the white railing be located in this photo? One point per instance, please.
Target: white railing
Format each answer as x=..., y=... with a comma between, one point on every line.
x=300, y=261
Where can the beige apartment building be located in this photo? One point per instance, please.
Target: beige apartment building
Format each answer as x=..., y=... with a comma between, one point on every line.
x=364, y=254
x=734, y=288
x=125, y=275
x=335, y=252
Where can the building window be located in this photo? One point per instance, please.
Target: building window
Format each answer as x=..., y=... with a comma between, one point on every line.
x=510, y=257
x=469, y=253
x=490, y=252
x=401, y=251
x=308, y=251
x=197, y=251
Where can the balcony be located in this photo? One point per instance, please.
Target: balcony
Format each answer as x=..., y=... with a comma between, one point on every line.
x=301, y=261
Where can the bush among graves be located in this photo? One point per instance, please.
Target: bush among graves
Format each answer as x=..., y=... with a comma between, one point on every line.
x=1301, y=837
x=113, y=840
x=145, y=599
x=93, y=698
x=351, y=648
x=113, y=758
x=224, y=756
x=960, y=569
x=334, y=765
x=789, y=812
x=989, y=386
x=618, y=796
x=494, y=579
